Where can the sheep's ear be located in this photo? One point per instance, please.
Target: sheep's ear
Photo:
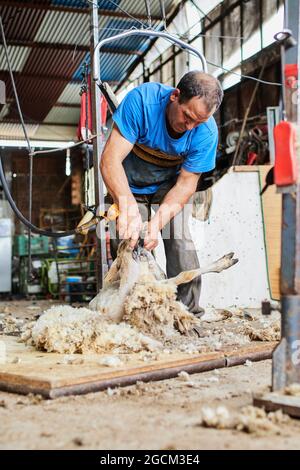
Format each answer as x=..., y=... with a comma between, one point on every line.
x=112, y=275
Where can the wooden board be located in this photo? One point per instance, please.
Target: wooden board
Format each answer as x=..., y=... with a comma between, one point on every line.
x=245, y=168
x=272, y=214
x=45, y=374
x=275, y=401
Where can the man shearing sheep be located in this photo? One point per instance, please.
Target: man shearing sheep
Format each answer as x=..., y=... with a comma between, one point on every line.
x=163, y=138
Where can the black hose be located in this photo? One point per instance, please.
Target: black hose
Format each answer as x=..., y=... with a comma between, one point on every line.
x=2, y=175
x=21, y=216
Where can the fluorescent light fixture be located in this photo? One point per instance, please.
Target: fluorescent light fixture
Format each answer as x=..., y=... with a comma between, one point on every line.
x=50, y=144
x=68, y=163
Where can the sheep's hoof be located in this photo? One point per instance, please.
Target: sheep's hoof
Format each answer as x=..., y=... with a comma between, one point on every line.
x=225, y=262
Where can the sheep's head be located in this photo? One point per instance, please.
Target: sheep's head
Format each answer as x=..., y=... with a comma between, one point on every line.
x=138, y=253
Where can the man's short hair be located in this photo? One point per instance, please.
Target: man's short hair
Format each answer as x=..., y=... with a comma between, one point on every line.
x=203, y=85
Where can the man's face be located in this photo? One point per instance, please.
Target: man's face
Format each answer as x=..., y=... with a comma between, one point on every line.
x=185, y=116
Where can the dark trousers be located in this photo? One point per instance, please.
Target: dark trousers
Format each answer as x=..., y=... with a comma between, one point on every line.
x=179, y=247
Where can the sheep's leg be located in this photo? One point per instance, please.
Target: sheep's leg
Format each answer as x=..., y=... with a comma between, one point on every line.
x=186, y=276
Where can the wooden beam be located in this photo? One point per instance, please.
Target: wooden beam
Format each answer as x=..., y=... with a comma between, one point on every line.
x=82, y=11
x=67, y=105
x=39, y=123
x=59, y=104
x=68, y=47
x=39, y=76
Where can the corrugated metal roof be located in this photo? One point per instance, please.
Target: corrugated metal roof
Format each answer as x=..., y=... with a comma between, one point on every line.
x=53, y=62
x=36, y=97
x=4, y=111
x=114, y=66
x=62, y=115
x=70, y=95
x=70, y=3
x=138, y=6
x=17, y=56
x=21, y=23
x=59, y=132
x=43, y=64
x=11, y=130
x=118, y=25
x=64, y=28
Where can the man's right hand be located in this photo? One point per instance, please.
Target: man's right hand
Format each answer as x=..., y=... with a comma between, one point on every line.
x=130, y=224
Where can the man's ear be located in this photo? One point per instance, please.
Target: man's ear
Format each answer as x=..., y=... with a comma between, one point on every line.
x=175, y=95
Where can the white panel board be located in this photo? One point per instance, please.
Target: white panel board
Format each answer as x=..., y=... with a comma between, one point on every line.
x=235, y=224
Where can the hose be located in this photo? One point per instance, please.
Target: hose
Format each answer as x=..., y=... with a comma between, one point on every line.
x=20, y=216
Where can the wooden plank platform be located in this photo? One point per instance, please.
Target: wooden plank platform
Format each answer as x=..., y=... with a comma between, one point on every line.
x=46, y=374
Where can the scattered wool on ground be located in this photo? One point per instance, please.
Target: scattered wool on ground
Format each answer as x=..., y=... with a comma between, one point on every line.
x=270, y=333
x=10, y=325
x=250, y=419
x=293, y=390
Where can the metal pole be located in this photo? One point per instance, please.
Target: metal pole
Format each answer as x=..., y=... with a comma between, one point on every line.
x=101, y=256
x=146, y=33
x=286, y=358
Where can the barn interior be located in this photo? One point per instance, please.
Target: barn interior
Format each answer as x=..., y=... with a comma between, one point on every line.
x=85, y=339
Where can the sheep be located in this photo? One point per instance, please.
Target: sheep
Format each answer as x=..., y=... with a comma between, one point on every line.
x=136, y=291
x=135, y=310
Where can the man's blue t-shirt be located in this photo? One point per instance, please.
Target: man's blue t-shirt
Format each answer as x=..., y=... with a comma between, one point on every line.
x=141, y=118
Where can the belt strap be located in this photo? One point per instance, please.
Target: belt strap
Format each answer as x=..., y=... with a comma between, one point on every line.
x=157, y=157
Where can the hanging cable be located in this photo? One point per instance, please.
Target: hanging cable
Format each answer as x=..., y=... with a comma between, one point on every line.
x=201, y=11
x=12, y=17
x=19, y=214
x=61, y=149
x=85, y=89
x=29, y=273
x=148, y=11
x=13, y=84
x=163, y=13
x=26, y=222
x=265, y=82
x=28, y=143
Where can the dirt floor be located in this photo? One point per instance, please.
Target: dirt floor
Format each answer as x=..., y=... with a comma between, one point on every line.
x=162, y=415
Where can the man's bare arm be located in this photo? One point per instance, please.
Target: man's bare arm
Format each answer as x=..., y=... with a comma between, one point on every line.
x=116, y=150
x=172, y=204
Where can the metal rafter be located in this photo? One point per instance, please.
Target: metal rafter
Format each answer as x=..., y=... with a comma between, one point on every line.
x=65, y=9
x=143, y=55
x=40, y=76
x=67, y=47
x=224, y=12
x=40, y=123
